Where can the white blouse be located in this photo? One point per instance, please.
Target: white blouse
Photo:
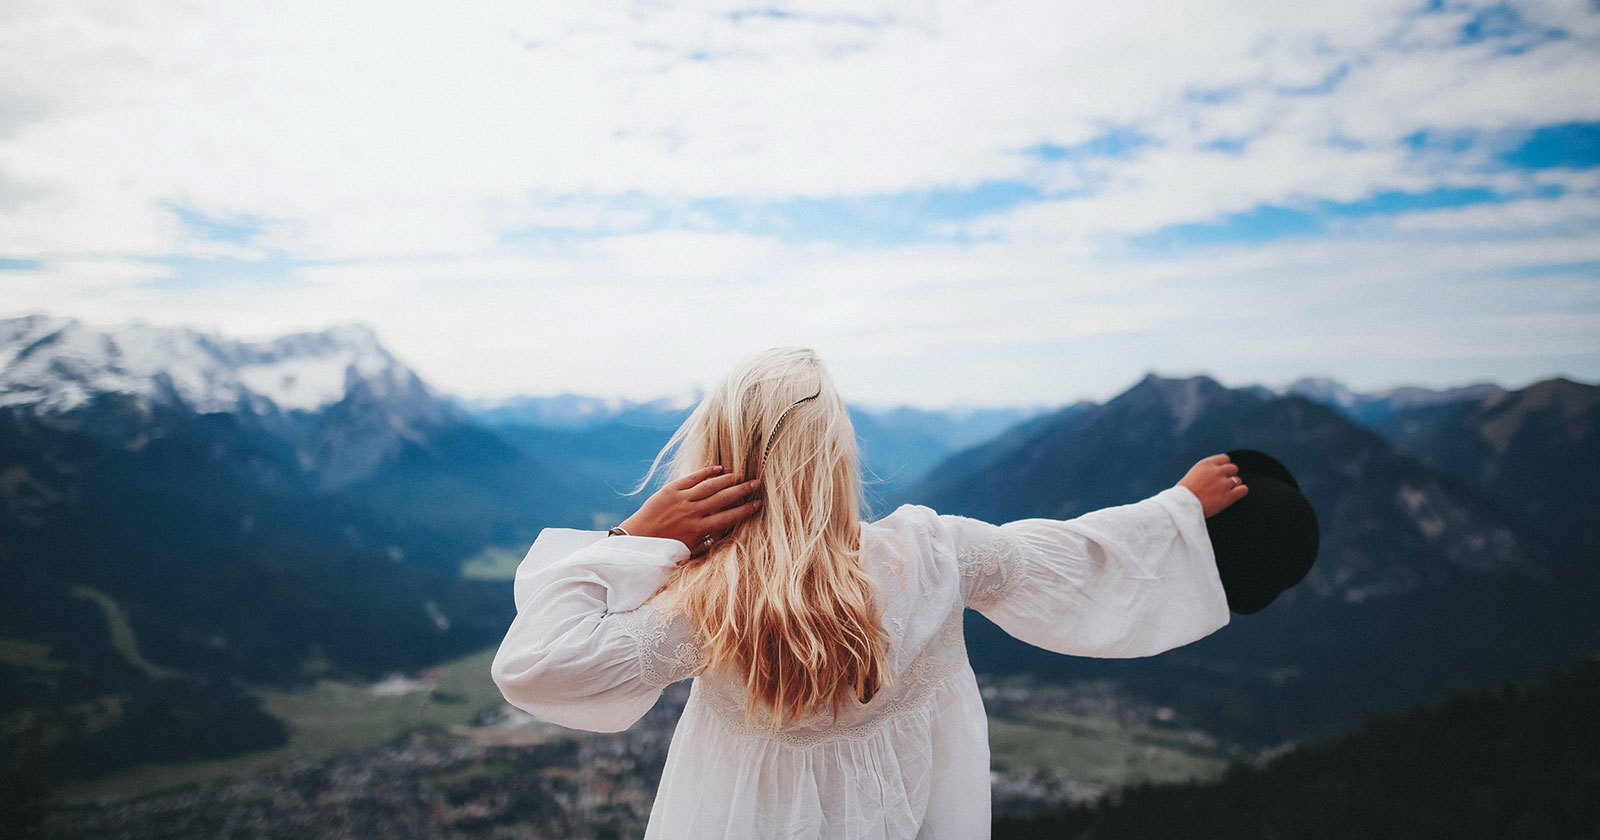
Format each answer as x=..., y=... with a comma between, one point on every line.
x=588, y=650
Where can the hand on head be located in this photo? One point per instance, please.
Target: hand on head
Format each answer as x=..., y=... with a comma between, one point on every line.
x=704, y=504
x=1215, y=482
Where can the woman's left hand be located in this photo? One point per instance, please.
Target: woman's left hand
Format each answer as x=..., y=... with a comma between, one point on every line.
x=1215, y=482
x=701, y=505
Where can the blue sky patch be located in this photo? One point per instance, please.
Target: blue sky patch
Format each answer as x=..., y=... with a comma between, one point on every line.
x=1269, y=222
x=881, y=220
x=239, y=230
x=1581, y=268
x=1231, y=145
x=187, y=272
x=1452, y=142
x=13, y=264
x=1571, y=146
x=866, y=221
x=1513, y=33
x=1213, y=96
x=1260, y=224
x=1116, y=143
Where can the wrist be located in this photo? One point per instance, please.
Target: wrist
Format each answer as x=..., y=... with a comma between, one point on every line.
x=633, y=526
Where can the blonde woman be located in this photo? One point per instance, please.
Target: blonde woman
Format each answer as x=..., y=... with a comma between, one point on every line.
x=832, y=696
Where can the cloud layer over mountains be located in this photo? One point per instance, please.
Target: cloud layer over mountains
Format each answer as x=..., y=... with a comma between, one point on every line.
x=995, y=203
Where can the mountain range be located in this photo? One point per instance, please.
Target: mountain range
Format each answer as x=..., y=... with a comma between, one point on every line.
x=1429, y=580
x=184, y=515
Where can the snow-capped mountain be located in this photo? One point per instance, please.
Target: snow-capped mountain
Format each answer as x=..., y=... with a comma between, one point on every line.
x=338, y=396
x=59, y=363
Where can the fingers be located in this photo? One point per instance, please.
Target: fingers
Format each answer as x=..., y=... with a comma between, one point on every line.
x=1219, y=458
x=1230, y=469
x=732, y=516
x=711, y=487
x=730, y=496
x=700, y=548
x=695, y=477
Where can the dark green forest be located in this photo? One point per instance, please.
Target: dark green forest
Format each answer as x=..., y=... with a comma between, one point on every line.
x=1498, y=765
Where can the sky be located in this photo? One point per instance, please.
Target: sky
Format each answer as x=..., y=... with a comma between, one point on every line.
x=989, y=203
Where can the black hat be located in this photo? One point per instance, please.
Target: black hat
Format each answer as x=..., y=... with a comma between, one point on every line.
x=1266, y=541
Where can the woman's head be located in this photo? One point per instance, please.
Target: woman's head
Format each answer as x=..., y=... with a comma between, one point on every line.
x=783, y=601
x=777, y=417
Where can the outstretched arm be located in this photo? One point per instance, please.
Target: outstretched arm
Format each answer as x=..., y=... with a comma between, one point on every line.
x=1126, y=581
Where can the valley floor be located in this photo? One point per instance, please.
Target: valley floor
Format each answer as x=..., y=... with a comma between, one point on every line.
x=439, y=754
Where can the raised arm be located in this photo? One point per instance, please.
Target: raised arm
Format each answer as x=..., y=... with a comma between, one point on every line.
x=1126, y=581
x=583, y=650
x=572, y=654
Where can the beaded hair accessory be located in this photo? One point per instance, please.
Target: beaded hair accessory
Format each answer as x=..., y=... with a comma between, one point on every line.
x=778, y=425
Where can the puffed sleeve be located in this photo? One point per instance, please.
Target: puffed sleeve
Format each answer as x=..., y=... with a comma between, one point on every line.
x=1126, y=581
x=583, y=651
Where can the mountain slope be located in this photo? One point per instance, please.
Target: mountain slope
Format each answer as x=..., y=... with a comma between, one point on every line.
x=161, y=557
x=181, y=514
x=1421, y=587
x=1535, y=452
x=353, y=418
x=1371, y=409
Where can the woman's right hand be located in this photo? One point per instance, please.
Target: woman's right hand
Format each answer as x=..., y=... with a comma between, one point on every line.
x=699, y=505
x=1215, y=482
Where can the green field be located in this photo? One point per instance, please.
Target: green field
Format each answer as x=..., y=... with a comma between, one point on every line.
x=327, y=718
x=1099, y=750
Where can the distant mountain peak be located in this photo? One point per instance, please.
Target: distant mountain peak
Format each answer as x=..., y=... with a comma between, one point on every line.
x=60, y=363
x=1322, y=389
x=1370, y=408
x=1185, y=399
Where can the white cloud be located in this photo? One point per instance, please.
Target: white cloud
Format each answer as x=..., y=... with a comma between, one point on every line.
x=387, y=149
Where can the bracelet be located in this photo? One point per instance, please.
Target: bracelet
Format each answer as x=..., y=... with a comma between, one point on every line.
x=618, y=532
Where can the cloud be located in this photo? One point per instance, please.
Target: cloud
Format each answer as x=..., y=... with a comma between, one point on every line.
x=1007, y=189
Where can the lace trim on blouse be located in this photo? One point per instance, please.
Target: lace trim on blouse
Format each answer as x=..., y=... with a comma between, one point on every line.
x=990, y=571
x=667, y=653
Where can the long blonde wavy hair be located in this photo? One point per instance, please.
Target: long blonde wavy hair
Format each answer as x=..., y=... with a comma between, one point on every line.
x=783, y=602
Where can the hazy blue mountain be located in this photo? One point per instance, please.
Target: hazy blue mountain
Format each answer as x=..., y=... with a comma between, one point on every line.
x=611, y=442
x=1532, y=451
x=573, y=411
x=1373, y=408
x=1422, y=586
x=1535, y=452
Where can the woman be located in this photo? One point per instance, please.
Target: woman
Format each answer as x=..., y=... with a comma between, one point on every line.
x=832, y=696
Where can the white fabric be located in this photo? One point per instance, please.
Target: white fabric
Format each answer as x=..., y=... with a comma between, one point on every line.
x=587, y=650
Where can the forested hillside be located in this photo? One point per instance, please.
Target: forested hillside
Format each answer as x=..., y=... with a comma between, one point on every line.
x=1506, y=765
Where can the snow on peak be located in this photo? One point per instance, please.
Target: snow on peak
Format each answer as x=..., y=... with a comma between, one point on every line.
x=60, y=363
x=1321, y=389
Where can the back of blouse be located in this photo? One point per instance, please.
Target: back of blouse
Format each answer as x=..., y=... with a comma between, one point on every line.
x=588, y=650
x=922, y=603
